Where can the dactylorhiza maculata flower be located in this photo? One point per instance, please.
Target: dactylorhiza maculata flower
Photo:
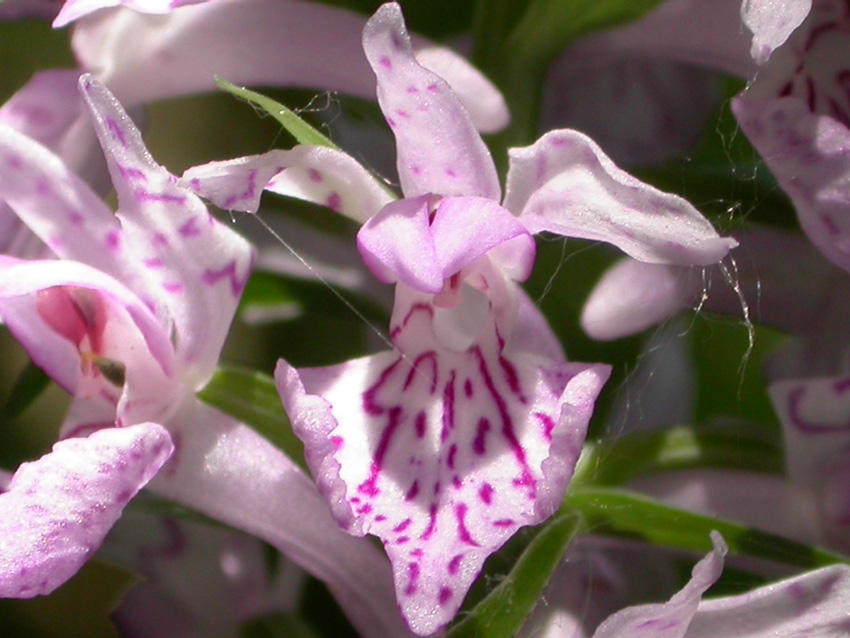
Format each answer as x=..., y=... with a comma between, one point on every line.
x=129, y=318
x=471, y=426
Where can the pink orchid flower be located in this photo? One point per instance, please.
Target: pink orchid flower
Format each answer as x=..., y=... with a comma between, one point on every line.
x=470, y=428
x=130, y=320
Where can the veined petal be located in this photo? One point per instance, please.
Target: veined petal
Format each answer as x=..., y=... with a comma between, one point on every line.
x=195, y=267
x=227, y=471
x=143, y=58
x=58, y=509
x=771, y=23
x=76, y=9
x=441, y=454
x=565, y=184
x=58, y=206
x=670, y=619
x=812, y=605
x=808, y=155
x=439, y=150
x=48, y=333
x=313, y=173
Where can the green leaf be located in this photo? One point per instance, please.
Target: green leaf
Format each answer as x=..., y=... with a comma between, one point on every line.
x=505, y=609
x=31, y=382
x=252, y=398
x=622, y=513
x=618, y=461
x=550, y=25
x=300, y=129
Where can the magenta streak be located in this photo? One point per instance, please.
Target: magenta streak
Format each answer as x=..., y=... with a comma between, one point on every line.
x=430, y=357
x=211, y=277
x=144, y=195
x=403, y=525
x=117, y=132
x=432, y=524
x=479, y=444
x=190, y=228
x=512, y=378
x=507, y=422
x=454, y=564
x=369, y=405
x=486, y=493
x=463, y=532
x=412, y=579
x=248, y=193
x=548, y=424
x=370, y=485
x=131, y=174
x=419, y=307
x=450, y=460
x=419, y=425
x=445, y=595
x=467, y=388
x=412, y=492
x=504, y=522
x=448, y=408
x=810, y=427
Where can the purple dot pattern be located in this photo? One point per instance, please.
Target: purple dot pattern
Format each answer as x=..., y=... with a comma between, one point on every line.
x=439, y=149
x=59, y=508
x=442, y=454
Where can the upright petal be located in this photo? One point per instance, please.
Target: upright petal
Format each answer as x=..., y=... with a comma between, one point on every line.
x=58, y=509
x=670, y=619
x=565, y=184
x=439, y=150
x=143, y=58
x=195, y=267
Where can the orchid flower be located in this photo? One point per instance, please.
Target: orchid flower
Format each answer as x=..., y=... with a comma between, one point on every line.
x=812, y=604
x=470, y=428
x=130, y=320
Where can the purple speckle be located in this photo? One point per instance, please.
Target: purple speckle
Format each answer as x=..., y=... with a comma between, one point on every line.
x=116, y=131
x=334, y=201
x=190, y=228
x=412, y=90
x=434, y=88
x=315, y=176
x=419, y=424
x=432, y=523
x=113, y=241
x=467, y=388
x=401, y=540
x=479, y=443
x=160, y=240
x=503, y=522
x=412, y=492
x=463, y=532
x=403, y=525
x=452, y=455
x=75, y=218
x=173, y=287
x=486, y=493
x=385, y=62
x=412, y=578
x=153, y=263
x=445, y=595
x=450, y=172
x=454, y=564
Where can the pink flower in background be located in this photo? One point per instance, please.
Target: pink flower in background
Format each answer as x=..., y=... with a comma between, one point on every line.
x=470, y=428
x=130, y=320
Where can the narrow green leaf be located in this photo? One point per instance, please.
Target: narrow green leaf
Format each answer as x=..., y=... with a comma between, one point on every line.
x=300, y=129
x=627, y=457
x=622, y=513
x=505, y=609
x=252, y=398
x=31, y=382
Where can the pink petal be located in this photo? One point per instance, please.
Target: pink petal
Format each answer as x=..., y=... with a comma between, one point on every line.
x=441, y=454
x=670, y=619
x=59, y=206
x=808, y=155
x=633, y=296
x=229, y=472
x=312, y=173
x=49, y=345
x=59, y=508
x=145, y=58
x=76, y=9
x=439, y=150
x=565, y=184
x=194, y=267
x=812, y=604
x=17, y=9
x=772, y=22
